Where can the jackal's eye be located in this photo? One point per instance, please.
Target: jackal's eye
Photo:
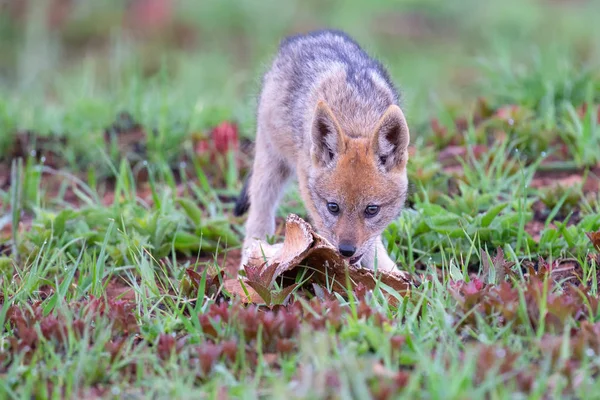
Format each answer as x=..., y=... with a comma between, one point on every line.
x=371, y=211
x=333, y=208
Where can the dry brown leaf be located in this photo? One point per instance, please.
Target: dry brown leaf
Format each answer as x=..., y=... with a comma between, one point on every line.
x=595, y=239
x=567, y=270
x=234, y=286
x=302, y=246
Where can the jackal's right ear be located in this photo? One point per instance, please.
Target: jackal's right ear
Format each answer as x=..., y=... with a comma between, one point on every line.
x=391, y=138
x=326, y=135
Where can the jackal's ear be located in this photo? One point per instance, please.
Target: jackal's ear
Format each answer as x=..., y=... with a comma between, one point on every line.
x=391, y=138
x=326, y=135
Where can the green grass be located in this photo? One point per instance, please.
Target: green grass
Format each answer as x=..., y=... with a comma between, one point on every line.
x=117, y=234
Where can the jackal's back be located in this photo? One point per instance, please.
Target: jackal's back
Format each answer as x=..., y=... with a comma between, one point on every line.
x=327, y=65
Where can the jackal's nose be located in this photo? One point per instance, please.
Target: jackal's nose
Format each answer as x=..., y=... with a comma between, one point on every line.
x=346, y=249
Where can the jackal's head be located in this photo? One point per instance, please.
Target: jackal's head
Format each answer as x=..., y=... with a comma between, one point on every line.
x=357, y=185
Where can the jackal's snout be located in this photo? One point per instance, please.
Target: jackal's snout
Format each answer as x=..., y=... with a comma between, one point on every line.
x=346, y=248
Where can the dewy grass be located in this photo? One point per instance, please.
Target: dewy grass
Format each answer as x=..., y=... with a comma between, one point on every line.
x=114, y=254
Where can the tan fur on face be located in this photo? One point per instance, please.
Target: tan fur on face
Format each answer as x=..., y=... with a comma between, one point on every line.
x=355, y=182
x=358, y=176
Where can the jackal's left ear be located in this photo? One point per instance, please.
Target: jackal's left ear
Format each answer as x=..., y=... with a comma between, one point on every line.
x=391, y=138
x=326, y=136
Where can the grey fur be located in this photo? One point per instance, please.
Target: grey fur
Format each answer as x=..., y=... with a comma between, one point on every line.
x=326, y=67
x=305, y=60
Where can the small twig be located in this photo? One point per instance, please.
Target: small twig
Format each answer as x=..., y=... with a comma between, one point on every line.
x=560, y=166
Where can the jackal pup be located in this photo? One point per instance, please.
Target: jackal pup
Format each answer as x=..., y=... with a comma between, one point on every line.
x=329, y=114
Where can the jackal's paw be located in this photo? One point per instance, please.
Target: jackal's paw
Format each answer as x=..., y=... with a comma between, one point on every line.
x=256, y=252
x=383, y=263
x=387, y=265
x=243, y=261
x=245, y=256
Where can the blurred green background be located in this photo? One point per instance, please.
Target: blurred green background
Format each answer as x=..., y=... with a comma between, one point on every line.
x=69, y=66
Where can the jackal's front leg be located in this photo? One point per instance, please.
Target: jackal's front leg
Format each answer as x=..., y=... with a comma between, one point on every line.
x=269, y=176
x=378, y=255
